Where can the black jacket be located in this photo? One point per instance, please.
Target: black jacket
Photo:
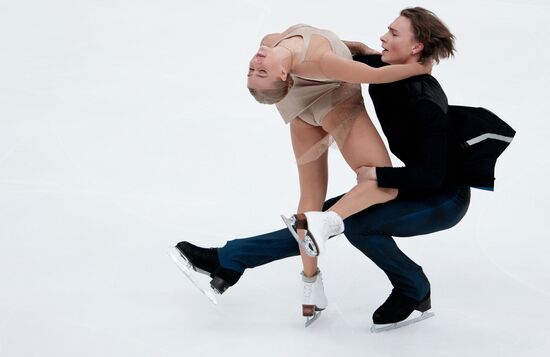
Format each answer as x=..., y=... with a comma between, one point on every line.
x=440, y=145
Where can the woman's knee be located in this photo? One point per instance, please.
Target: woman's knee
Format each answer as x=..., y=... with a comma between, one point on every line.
x=381, y=194
x=392, y=193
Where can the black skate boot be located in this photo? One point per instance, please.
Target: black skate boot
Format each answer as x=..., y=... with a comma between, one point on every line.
x=205, y=261
x=397, y=308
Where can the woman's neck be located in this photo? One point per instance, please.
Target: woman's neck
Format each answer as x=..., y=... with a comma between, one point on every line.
x=288, y=58
x=289, y=50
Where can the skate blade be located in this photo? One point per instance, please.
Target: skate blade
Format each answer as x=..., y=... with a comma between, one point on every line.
x=312, y=319
x=309, y=247
x=187, y=268
x=381, y=328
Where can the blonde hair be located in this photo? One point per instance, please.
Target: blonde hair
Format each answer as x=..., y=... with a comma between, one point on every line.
x=275, y=94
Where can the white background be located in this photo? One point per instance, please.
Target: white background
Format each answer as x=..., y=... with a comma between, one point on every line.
x=126, y=126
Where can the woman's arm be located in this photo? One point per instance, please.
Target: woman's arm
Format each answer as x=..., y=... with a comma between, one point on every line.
x=372, y=60
x=342, y=69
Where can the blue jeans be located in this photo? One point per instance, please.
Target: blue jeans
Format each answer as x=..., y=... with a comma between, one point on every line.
x=370, y=231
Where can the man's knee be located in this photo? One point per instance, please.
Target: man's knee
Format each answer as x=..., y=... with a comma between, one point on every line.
x=361, y=223
x=362, y=240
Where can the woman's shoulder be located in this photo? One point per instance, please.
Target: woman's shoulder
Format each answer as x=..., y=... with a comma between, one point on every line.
x=270, y=39
x=295, y=27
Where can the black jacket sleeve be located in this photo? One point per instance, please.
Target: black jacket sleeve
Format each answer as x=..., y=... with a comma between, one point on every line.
x=371, y=60
x=429, y=168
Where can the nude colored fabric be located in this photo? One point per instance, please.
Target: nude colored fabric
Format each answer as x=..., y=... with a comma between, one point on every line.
x=312, y=99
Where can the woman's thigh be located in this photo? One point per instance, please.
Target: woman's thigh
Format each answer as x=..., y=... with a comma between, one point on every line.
x=356, y=136
x=310, y=143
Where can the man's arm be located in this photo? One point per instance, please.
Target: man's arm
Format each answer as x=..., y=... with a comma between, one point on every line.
x=431, y=166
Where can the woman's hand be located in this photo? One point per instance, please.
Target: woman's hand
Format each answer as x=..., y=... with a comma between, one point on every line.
x=365, y=173
x=426, y=66
x=366, y=50
x=422, y=68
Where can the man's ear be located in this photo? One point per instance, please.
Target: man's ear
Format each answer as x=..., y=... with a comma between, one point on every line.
x=417, y=48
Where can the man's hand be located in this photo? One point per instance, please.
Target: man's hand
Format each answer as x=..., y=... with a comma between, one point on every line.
x=365, y=173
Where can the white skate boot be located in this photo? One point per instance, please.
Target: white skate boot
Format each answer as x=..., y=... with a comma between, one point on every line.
x=314, y=299
x=321, y=226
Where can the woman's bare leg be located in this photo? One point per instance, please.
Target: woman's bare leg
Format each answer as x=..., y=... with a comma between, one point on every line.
x=360, y=145
x=312, y=164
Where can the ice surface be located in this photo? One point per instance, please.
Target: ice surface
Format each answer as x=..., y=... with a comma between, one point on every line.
x=125, y=126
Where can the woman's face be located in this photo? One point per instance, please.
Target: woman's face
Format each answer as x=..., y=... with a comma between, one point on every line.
x=399, y=43
x=264, y=69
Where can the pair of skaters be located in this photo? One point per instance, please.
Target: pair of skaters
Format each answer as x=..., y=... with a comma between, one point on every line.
x=314, y=81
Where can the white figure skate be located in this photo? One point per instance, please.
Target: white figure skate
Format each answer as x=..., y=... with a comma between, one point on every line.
x=319, y=226
x=314, y=300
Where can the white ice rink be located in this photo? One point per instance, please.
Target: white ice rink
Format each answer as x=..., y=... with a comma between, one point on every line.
x=126, y=126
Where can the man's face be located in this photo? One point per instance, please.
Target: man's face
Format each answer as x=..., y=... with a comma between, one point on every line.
x=399, y=43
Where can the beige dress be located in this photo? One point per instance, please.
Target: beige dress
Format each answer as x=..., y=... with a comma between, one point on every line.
x=313, y=99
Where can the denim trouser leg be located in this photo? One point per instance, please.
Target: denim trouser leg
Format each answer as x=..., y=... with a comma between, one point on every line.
x=244, y=253
x=371, y=232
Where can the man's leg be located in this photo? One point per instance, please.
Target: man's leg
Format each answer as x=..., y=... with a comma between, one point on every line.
x=226, y=265
x=371, y=232
x=245, y=253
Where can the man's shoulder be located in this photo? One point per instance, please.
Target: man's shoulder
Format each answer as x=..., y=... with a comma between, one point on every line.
x=426, y=87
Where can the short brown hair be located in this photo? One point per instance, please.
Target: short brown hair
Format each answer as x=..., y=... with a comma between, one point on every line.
x=429, y=30
x=275, y=94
